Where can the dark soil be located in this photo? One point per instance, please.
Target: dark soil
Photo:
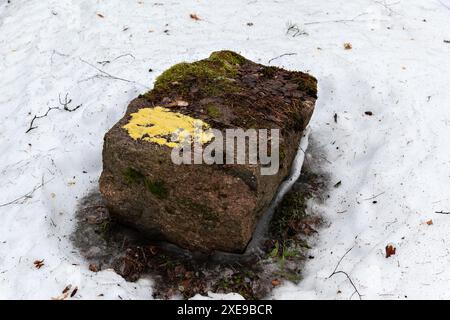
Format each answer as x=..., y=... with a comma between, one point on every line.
x=106, y=244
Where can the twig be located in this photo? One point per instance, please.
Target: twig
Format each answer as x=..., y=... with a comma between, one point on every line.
x=443, y=212
x=66, y=102
x=28, y=195
x=444, y=5
x=39, y=117
x=282, y=55
x=104, y=63
x=375, y=196
x=65, y=106
x=387, y=6
x=336, y=271
x=336, y=21
x=104, y=74
x=294, y=29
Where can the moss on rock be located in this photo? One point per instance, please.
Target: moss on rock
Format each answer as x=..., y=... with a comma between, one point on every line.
x=158, y=187
x=213, y=111
x=306, y=83
x=216, y=74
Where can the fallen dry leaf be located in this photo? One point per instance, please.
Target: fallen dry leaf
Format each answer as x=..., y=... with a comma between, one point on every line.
x=195, y=17
x=276, y=282
x=66, y=289
x=93, y=267
x=348, y=46
x=178, y=103
x=390, y=250
x=100, y=15
x=74, y=292
x=430, y=222
x=66, y=293
x=39, y=264
x=61, y=297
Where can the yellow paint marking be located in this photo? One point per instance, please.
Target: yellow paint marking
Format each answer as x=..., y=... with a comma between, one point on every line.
x=164, y=127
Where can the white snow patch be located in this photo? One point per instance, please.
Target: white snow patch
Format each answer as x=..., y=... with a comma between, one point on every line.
x=399, y=69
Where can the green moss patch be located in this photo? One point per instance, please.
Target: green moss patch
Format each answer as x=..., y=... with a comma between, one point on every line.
x=158, y=187
x=213, y=111
x=306, y=83
x=212, y=76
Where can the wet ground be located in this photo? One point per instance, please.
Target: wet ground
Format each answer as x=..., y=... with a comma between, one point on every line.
x=276, y=254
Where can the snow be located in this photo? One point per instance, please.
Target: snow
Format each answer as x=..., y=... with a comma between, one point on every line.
x=398, y=69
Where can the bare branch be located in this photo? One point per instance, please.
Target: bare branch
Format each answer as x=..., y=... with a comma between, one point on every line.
x=337, y=21
x=65, y=106
x=375, y=196
x=26, y=196
x=444, y=5
x=282, y=55
x=66, y=102
x=104, y=74
x=294, y=30
x=336, y=271
x=36, y=117
x=104, y=63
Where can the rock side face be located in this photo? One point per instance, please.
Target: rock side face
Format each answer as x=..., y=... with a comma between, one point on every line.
x=201, y=206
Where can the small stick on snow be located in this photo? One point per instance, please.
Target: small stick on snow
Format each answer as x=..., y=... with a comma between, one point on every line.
x=66, y=102
x=65, y=106
x=26, y=196
x=36, y=117
x=282, y=55
x=375, y=196
x=104, y=74
x=444, y=5
x=337, y=21
x=104, y=63
x=336, y=271
x=443, y=212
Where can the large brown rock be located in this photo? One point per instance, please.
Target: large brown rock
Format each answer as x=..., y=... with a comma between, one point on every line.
x=205, y=207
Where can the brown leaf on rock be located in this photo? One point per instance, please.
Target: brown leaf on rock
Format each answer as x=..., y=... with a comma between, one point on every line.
x=177, y=103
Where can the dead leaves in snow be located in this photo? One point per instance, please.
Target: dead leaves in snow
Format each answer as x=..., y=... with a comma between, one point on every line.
x=276, y=282
x=348, y=46
x=67, y=292
x=390, y=250
x=195, y=17
x=94, y=268
x=38, y=264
